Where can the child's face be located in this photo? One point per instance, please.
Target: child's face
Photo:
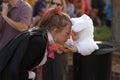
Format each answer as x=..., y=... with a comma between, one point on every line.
x=62, y=36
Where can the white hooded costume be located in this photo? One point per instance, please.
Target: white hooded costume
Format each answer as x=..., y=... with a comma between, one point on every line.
x=84, y=26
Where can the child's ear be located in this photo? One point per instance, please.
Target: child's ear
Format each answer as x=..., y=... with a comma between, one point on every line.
x=56, y=30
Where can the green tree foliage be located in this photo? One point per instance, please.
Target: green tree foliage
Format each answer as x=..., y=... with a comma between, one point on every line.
x=102, y=34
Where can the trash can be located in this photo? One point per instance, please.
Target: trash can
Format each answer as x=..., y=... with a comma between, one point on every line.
x=96, y=66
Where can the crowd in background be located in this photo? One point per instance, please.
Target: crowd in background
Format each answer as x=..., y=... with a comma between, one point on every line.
x=98, y=10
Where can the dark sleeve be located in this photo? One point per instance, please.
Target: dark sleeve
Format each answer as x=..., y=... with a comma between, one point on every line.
x=34, y=55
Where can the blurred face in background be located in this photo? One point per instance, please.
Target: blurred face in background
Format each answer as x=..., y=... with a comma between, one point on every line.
x=79, y=7
x=80, y=12
x=55, y=3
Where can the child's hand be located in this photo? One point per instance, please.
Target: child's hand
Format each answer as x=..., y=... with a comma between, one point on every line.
x=71, y=47
x=75, y=36
x=60, y=50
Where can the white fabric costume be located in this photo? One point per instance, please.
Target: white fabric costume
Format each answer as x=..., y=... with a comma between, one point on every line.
x=84, y=26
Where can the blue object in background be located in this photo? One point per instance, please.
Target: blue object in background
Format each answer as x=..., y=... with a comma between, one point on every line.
x=0, y=8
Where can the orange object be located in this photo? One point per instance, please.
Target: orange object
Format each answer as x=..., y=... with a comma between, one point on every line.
x=57, y=46
x=31, y=2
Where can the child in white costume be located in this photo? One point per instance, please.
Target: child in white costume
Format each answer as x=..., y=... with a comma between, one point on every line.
x=83, y=28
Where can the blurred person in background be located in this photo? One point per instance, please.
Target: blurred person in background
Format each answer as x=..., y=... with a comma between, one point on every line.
x=55, y=3
x=109, y=14
x=39, y=4
x=38, y=17
x=94, y=14
x=31, y=2
x=79, y=6
x=94, y=17
x=70, y=8
x=84, y=4
x=87, y=7
x=101, y=11
x=38, y=10
x=15, y=18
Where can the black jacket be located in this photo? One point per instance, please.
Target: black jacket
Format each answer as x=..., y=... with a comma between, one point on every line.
x=22, y=54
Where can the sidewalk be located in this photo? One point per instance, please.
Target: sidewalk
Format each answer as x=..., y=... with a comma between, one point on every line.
x=116, y=65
